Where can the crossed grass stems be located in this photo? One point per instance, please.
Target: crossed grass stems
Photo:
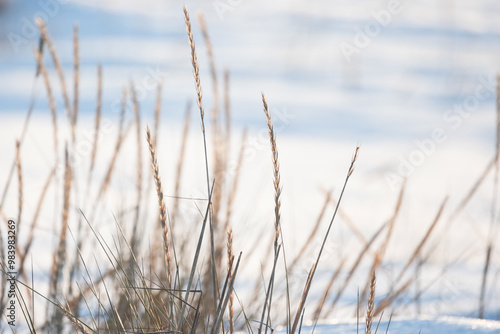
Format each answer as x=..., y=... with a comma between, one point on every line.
x=125, y=298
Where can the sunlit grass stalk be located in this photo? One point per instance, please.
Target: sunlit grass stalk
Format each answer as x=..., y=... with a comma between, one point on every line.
x=161, y=204
x=371, y=303
x=199, y=94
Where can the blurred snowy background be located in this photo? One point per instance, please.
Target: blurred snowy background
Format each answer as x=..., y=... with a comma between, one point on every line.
x=412, y=81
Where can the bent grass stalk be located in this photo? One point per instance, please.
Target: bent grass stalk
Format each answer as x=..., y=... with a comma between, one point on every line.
x=313, y=270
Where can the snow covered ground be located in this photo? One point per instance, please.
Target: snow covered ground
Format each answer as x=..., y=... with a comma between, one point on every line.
x=414, y=87
x=412, y=325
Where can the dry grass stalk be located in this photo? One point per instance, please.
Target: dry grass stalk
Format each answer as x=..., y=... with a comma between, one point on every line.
x=493, y=216
x=277, y=213
x=19, y=184
x=57, y=64
x=199, y=93
x=326, y=293
x=158, y=111
x=119, y=141
x=180, y=165
x=388, y=301
x=218, y=151
x=137, y=115
x=302, y=302
x=356, y=264
x=463, y=203
x=314, y=231
x=276, y=175
x=24, y=130
x=59, y=258
x=77, y=324
x=213, y=71
x=230, y=259
x=76, y=61
x=97, y=123
x=195, y=262
x=196, y=69
x=35, y=220
x=351, y=224
x=227, y=106
x=234, y=187
x=425, y=238
x=313, y=271
x=371, y=303
x=380, y=252
x=161, y=204
x=52, y=102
